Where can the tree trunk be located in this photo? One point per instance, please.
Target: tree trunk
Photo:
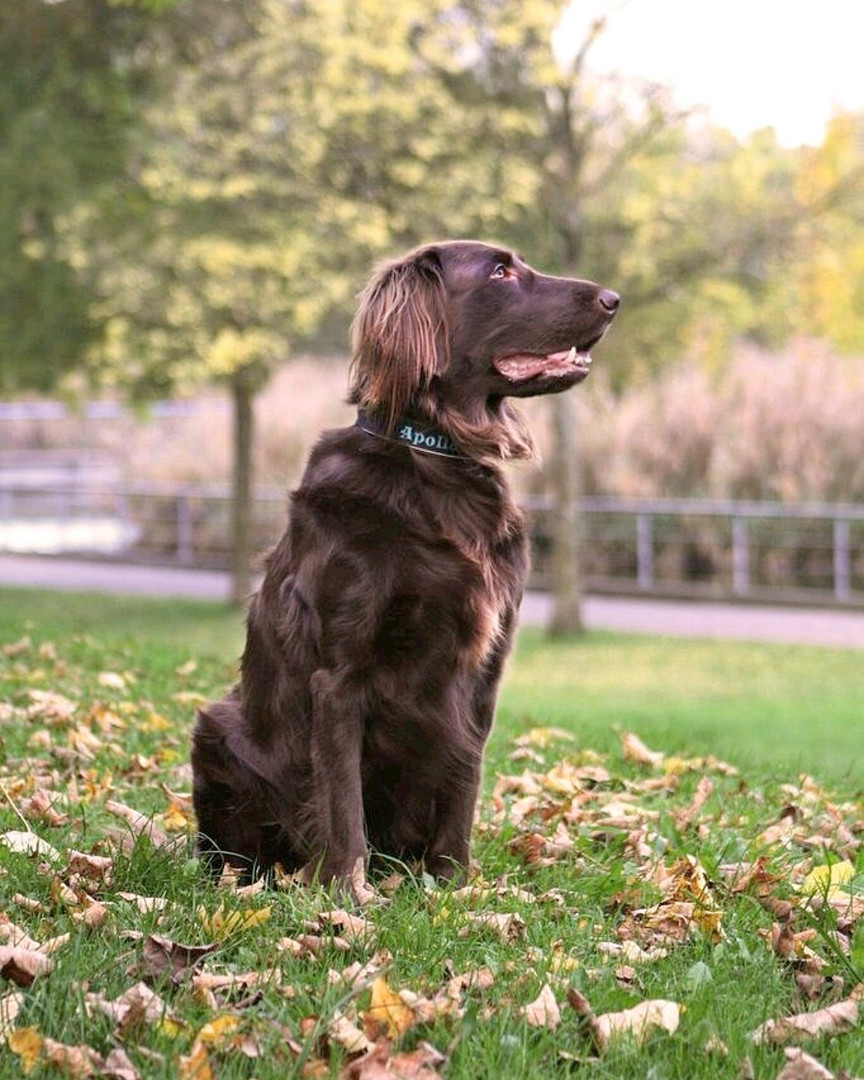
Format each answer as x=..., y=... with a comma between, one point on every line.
x=566, y=520
x=242, y=509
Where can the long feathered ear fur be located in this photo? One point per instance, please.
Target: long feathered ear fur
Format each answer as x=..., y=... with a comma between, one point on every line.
x=399, y=335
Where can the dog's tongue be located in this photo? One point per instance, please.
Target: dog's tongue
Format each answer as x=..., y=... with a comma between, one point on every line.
x=527, y=367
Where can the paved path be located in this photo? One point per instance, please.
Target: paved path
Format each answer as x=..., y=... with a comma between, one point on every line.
x=809, y=626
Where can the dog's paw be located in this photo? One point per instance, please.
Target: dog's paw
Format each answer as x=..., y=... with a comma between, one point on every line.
x=361, y=891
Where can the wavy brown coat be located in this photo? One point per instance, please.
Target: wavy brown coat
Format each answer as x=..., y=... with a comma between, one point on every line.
x=377, y=639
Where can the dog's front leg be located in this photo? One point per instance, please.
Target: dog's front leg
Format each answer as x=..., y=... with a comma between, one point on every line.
x=450, y=851
x=336, y=750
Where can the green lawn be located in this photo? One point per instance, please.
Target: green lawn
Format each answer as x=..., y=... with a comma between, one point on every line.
x=776, y=709
x=580, y=850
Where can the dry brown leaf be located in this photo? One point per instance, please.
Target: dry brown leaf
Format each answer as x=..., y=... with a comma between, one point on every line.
x=635, y=750
x=134, y=1009
x=40, y=806
x=50, y=707
x=639, y=1022
x=543, y=1012
x=28, y=843
x=96, y=869
x=631, y=952
x=140, y=824
x=381, y=1064
x=686, y=817
x=508, y=925
x=79, y=1062
x=21, y=966
x=118, y=1066
x=480, y=979
x=145, y=904
x=800, y=1066
x=343, y=1031
x=10, y=1007
x=833, y=1020
x=352, y=926
x=669, y=922
x=162, y=956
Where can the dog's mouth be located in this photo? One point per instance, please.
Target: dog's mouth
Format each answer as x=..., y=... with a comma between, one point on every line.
x=575, y=361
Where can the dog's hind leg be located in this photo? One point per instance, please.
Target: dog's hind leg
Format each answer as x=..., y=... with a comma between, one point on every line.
x=338, y=718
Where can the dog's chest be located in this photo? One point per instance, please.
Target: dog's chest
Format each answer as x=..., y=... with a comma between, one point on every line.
x=489, y=564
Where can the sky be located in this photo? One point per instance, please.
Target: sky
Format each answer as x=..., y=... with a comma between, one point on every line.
x=787, y=64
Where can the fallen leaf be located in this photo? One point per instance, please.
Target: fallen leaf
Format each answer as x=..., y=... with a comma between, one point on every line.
x=162, y=956
x=111, y=680
x=508, y=926
x=222, y=924
x=833, y=1020
x=21, y=966
x=343, y=1031
x=380, y=1064
x=97, y=869
x=828, y=881
x=543, y=1012
x=28, y=843
x=638, y=1022
x=352, y=926
x=27, y=1044
x=800, y=1066
x=140, y=824
x=387, y=1011
x=10, y=1007
x=635, y=750
x=685, y=818
x=195, y=1065
x=51, y=707
x=118, y=1066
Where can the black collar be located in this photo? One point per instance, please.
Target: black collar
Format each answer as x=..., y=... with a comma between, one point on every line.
x=420, y=437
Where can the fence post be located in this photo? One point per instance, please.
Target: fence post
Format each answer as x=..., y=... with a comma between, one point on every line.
x=842, y=566
x=185, y=529
x=740, y=557
x=645, y=551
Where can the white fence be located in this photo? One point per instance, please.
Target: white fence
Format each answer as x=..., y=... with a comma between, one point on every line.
x=701, y=548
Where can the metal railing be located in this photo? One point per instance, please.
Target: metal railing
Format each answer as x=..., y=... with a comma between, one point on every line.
x=747, y=550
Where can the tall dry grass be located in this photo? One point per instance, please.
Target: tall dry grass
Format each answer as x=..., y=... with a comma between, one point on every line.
x=786, y=426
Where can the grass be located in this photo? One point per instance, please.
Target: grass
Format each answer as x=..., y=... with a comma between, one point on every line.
x=774, y=711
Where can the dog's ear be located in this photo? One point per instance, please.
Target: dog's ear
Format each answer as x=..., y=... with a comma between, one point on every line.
x=399, y=334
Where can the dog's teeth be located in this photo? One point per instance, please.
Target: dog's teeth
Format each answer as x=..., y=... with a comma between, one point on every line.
x=571, y=356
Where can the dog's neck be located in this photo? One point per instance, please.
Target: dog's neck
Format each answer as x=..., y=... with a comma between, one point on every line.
x=420, y=436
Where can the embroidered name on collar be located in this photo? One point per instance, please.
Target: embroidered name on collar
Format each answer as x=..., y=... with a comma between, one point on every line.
x=409, y=433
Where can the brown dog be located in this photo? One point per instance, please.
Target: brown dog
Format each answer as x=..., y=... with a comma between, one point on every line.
x=376, y=642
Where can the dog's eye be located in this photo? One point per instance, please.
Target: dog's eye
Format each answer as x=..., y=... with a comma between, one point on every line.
x=500, y=272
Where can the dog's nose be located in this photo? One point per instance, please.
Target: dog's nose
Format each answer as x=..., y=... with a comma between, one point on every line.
x=609, y=300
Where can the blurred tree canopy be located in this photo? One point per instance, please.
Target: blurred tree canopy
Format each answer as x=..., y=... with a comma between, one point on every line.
x=189, y=188
x=67, y=99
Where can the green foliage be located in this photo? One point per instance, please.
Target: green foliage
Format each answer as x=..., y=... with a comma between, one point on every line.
x=64, y=109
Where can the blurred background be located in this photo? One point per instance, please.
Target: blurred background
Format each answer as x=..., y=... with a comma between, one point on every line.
x=192, y=192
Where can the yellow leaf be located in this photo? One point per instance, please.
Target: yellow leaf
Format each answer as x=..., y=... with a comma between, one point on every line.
x=217, y=1033
x=196, y=1065
x=829, y=880
x=175, y=820
x=389, y=1009
x=27, y=1044
x=222, y=924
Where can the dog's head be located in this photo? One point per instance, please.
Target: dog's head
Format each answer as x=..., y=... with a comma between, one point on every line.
x=452, y=329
